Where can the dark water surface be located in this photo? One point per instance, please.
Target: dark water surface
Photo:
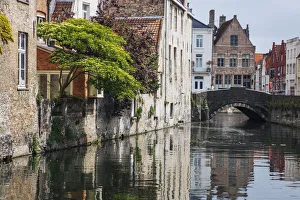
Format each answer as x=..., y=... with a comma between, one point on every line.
x=227, y=158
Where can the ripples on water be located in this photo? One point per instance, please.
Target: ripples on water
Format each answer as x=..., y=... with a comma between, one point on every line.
x=234, y=158
x=226, y=158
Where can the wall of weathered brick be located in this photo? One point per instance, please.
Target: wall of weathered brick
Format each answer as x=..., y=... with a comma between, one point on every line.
x=223, y=47
x=140, y=8
x=18, y=119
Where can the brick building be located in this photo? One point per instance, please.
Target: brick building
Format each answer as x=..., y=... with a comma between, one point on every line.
x=48, y=73
x=18, y=86
x=233, y=54
x=275, y=66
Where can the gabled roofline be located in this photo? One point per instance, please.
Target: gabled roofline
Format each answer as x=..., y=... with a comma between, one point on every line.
x=205, y=26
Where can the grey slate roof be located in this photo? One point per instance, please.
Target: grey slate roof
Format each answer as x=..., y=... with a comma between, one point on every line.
x=198, y=24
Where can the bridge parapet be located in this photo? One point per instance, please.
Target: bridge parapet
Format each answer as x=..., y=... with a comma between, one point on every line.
x=252, y=103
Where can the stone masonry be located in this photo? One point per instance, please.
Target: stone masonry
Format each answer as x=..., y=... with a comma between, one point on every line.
x=18, y=119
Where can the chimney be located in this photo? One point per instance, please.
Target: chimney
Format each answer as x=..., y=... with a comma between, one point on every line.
x=234, y=16
x=222, y=20
x=211, y=18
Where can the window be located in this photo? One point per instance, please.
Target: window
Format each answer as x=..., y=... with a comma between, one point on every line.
x=40, y=19
x=171, y=110
x=221, y=60
x=218, y=81
x=233, y=60
x=49, y=83
x=198, y=60
x=170, y=63
x=175, y=19
x=246, y=60
x=237, y=79
x=25, y=1
x=22, y=60
x=199, y=41
x=198, y=82
x=175, y=62
x=294, y=53
x=294, y=68
x=227, y=80
x=234, y=40
x=247, y=81
x=85, y=11
x=291, y=53
x=181, y=23
x=94, y=92
x=171, y=16
x=288, y=52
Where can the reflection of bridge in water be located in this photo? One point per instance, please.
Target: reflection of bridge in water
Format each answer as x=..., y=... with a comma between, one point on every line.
x=254, y=104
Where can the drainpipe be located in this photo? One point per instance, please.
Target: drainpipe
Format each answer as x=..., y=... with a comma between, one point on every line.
x=48, y=10
x=165, y=56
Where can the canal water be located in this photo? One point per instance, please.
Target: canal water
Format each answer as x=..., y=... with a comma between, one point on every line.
x=229, y=157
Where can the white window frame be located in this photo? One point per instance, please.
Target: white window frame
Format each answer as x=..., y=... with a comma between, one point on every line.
x=199, y=41
x=246, y=60
x=86, y=12
x=49, y=73
x=198, y=81
x=199, y=61
x=22, y=67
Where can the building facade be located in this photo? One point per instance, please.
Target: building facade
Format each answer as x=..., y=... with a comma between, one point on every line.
x=275, y=65
x=298, y=74
x=48, y=73
x=292, y=52
x=18, y=88
x=172, y=101
x=233, y=55
x=201, y=56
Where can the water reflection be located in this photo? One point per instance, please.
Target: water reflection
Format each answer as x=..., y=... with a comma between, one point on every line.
x=234, y=158
x=150, y=166
x=227, y=158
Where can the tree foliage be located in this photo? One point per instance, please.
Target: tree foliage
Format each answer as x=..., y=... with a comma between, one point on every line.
x=5, y=31
x=140, y=45
x=88, y=47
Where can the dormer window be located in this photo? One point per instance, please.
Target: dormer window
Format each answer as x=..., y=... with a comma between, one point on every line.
x=234, y=40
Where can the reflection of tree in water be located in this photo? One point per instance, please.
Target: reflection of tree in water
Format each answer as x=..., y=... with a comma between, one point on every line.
x=118, y=175
x=66, y=174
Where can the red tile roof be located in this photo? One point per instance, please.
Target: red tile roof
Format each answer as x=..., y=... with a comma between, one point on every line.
x=258, y=57
x=142, y=24
x=61, y=7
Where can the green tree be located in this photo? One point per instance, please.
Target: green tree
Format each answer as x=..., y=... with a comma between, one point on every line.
x=139, y=43
x=91, y=48
x=5, y=31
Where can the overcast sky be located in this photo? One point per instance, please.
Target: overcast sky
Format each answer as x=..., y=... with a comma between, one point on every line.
x=269, y=20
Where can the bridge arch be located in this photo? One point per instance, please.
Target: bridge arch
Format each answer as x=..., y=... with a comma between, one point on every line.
x=253, y=104
x=248, y=110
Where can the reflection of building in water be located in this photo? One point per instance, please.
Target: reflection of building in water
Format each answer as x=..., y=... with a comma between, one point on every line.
x=276, y=157
x=16, y=181
x=230, y=172
x=165, y=159
x=200, y=172
x=292, y=169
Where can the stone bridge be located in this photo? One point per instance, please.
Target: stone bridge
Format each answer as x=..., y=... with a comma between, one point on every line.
x=254, y=104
